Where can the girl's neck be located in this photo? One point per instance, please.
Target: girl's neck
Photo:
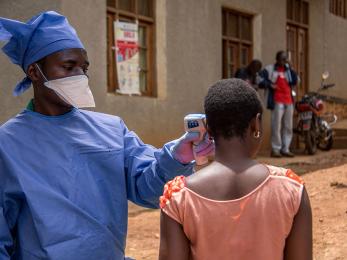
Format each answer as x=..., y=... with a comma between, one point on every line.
x=233, y=152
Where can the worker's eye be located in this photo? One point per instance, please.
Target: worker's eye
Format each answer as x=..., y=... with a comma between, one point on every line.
x=68, y=68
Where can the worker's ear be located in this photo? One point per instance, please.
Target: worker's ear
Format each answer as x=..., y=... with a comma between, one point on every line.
x=34, y=73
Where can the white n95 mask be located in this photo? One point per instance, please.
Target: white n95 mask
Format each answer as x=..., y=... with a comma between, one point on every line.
x=73, y=90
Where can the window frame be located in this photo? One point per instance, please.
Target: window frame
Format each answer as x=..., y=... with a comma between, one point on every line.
x=298, y=17
x=338, y=8
x=114, y=14
x=236, y=42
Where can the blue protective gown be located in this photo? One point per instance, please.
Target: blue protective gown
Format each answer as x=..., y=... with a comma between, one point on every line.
x=65, y=181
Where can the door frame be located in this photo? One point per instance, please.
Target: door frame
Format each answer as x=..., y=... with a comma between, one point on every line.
x=307, y=61
x=298, y=14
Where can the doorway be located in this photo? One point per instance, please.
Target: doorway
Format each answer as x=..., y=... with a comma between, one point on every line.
x=297, y=41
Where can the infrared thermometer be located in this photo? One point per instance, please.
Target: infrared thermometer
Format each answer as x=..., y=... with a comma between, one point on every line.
x=196, y=123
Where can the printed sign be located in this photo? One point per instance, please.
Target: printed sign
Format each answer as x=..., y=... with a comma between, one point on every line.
x=127, y=57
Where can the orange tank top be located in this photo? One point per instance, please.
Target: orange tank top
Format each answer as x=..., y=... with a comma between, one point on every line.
x=254, y=226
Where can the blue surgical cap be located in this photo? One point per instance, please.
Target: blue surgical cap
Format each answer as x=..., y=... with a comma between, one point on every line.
x=42, y=35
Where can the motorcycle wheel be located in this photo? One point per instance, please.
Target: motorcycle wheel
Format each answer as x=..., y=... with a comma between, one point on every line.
x=326, y=145
x=310, y=142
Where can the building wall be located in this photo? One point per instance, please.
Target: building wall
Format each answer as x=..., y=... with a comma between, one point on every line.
x=328, y=38
x=188, y=56
x=10, y=74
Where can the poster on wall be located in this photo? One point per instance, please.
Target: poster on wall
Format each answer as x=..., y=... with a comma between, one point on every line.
x=127, y=58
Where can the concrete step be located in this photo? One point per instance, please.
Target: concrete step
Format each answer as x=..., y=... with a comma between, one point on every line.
x=340, y=132
x=341, y=123
x=340, y=127
x=340, y=142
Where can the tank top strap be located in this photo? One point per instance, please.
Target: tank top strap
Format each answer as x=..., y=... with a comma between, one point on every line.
x=280, y=171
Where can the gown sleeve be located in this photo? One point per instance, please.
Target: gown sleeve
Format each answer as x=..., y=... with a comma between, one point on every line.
x=148, y=169
x=9, y=208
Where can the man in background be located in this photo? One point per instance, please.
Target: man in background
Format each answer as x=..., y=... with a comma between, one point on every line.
x=279, y=82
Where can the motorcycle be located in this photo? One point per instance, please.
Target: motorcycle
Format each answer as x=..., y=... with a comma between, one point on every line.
x=312, y=125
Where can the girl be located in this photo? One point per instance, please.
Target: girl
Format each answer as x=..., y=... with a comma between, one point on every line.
x=236, y=208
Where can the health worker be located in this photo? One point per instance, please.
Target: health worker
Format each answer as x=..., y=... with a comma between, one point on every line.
x=66, y=174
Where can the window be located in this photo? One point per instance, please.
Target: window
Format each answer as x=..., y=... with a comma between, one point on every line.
x=236, y=40
x=297, y=11
x=141, y=12
x=338, y=7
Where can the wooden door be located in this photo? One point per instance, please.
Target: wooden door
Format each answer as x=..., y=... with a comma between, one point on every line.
x=297, y=47
x=302, y=68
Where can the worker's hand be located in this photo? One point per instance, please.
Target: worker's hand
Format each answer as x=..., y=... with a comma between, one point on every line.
x=205, y=147
x=273, y=86
x=182, y=151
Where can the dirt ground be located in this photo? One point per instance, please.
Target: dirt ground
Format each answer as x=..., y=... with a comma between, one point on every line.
x=327, y=189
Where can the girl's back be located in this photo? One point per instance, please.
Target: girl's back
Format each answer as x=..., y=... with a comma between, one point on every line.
x=229, y=215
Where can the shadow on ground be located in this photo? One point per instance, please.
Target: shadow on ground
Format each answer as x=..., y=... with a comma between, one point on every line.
x=303, y=163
